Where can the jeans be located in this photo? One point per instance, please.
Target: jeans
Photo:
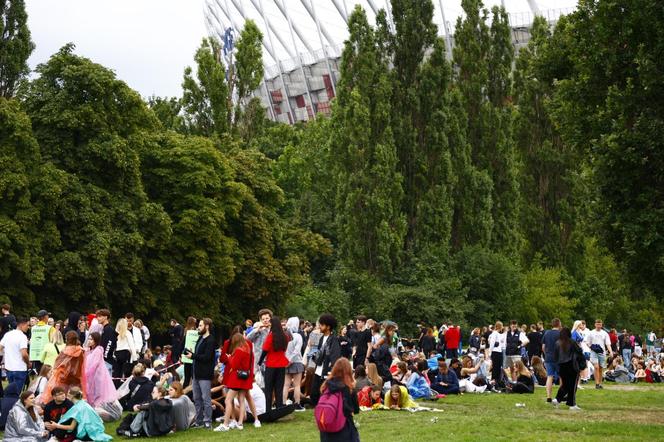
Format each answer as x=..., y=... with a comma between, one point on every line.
x=17, y=376
x=109, y=367
x=202, y=400
x=627, y=356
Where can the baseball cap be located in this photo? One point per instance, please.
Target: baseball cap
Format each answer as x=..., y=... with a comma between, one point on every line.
x=41, y=313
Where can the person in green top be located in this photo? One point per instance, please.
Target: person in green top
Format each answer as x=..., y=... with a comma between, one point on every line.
x=52, y=349
x=81, y=419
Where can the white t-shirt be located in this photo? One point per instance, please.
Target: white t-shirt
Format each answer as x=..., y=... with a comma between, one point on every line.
x=600, y=338
x=13, y=342
x=584, y=345
x=258, y=396
x=319, y=368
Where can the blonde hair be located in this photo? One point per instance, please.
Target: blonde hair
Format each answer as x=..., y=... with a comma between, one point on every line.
x=498, y=327
x=372, y=374
x=56, y=338
x=121, y=328
x=76, y=393
x=139, y=370
x=576, y=325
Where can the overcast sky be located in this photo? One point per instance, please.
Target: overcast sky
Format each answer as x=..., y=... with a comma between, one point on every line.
x=148, y=43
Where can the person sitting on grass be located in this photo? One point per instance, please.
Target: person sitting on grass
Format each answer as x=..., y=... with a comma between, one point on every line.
x=443, y=380
x=398, y=398
x=184, y=411
x=538, y=370
x=23, y=421
x=80, y=420
x=418, y=384
x=522, y=379
x=154, y=418
x=361, y=379
x=369, y=396
x=57, y=408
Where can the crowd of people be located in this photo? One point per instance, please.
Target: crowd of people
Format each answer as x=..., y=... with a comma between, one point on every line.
x=65, y=379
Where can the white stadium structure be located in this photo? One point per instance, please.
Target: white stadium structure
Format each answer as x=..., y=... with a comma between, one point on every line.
x=303, y=40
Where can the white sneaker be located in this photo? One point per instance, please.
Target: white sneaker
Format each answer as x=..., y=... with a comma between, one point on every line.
x=222, y=427
x=219, y=419
x=232, y=424
x=239, y=427
x=575, y=408
x=555, y=402
x=257, y=423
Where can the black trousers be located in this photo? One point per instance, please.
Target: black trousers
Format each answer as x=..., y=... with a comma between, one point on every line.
x=122, y=365
x=497, y=367
x=187, y=374
x=315, y=390
x=569, y=379
x=271, y=415
x=274, y=384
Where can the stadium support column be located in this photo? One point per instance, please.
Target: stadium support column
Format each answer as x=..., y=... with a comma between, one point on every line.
x=300, y=62
x=281, y=74
x=342, y=11
x=448, y=43
x=325, y=54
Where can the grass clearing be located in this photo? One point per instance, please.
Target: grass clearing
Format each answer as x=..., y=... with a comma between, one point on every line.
x=613, y=414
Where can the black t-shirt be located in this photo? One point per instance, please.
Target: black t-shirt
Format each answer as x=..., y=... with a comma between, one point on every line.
x=361, y=341
x=54, y=411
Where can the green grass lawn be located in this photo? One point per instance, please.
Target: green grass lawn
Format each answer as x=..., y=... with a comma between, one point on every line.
x=616, y=413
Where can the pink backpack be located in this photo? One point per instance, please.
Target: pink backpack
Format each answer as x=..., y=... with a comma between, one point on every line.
x=329, y=413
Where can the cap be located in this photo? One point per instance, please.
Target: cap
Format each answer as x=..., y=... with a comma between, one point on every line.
x=41, y=313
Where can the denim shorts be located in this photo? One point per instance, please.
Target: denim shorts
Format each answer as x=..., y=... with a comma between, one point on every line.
x=598, y=359
x=551, y=369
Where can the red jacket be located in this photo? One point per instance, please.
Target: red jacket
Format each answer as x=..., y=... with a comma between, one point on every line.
x=364, y=397
x=241, y=359
x=452, y=337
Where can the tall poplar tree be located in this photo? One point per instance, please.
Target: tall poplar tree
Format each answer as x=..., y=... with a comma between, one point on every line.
x=15, y=45
x=420, y=117
x=369, y=223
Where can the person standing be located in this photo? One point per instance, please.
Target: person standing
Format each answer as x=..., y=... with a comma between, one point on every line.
x=136, y=334
x=7, y=321
x=190, y=338
x=515, y=339
x=497, y=346
x=176, y=333
x=259, y=333
x=39, y=337
x=651, y=338
x=534, y=346
x=452, y=338
x=328, y=353
x=125, y=351
x=108, y=338
x=599, y=342
x=274, y=356
x=341, y=381
x=203, y=370
x=15, y=347
x=361, y=339
x=295, y=368
x=568, y=355
x=548, y=348
x=625, y=346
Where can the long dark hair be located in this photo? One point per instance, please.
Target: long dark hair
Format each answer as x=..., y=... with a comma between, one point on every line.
x=279, y=341
x=565, y=340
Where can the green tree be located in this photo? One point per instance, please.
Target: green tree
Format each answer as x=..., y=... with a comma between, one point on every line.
x=551, y=170
x=90, y=194
x=369, y=222
x=249, y=60
x=611, y=108
x=21, y=262
x=420, y=120
x=205, y=99
x=15, y=46
x=167, y=110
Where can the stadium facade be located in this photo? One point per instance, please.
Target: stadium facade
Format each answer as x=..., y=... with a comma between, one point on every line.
x=303, y=41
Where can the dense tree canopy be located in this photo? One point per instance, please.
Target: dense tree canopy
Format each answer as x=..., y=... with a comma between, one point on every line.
x=479, y=185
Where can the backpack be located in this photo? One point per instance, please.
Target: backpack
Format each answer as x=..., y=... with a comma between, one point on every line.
x=329, y=413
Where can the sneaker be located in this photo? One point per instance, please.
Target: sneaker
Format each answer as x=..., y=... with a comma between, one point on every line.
x=579, y=387
x=222, y=427
x=207, y=426
x=599, y=387
x=441, y=396
x=555, y=403
x=257, y=423
x=548, y=400
x=239, y=427
x=219, y=419
x=196, y=425
x=299, y=407
x=232, y=424
x=575, y=408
